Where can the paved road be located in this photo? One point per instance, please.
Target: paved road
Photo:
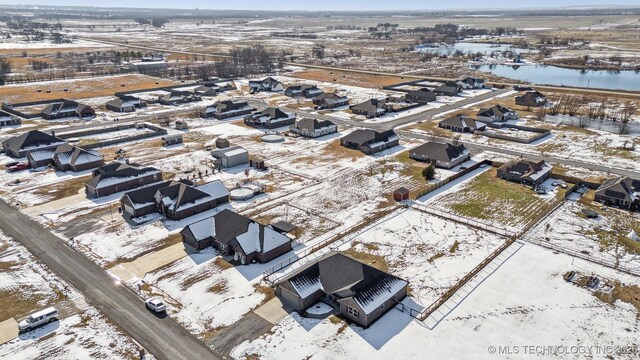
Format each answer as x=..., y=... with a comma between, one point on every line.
x=634, y=94
x=163, y=337
x=530, y=155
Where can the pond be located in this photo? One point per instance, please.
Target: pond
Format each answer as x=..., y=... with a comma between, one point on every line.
x=557, y=76
x=468, y=47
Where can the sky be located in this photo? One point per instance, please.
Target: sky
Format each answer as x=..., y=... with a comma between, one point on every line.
x=328, y=4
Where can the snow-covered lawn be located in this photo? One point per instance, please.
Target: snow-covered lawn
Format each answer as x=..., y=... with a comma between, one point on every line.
x=27, y=286
x=525, y=302
x=606, y=237
x=430, y=252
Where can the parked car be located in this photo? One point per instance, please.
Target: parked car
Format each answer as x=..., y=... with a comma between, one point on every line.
x=19, y=166
x=38, y=318
x=156, y=305
x=10, y=164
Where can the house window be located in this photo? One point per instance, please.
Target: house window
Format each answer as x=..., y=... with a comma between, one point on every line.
x=353, y=312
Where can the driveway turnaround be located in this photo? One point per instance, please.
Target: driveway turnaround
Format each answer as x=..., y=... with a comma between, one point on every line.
x=164, y=338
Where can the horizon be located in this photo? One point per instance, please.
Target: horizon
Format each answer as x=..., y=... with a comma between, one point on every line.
x=332, y=5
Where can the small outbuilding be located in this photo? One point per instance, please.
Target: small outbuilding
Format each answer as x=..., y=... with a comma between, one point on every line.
x=230, y=157
x=401, y=194
x=222, y=143
x=169, y=140
x=181, y=125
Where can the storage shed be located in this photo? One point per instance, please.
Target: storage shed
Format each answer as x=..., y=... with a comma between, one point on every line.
x=230, y=157
x=171, y=140
x=401, y=194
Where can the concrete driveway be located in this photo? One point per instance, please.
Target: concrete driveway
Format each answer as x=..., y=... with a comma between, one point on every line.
x=148, y=263
x=8, y=330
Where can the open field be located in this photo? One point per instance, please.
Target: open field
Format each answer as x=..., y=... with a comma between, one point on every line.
x=79, y=88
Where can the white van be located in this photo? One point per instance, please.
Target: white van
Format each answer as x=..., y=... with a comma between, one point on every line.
x=38, y=318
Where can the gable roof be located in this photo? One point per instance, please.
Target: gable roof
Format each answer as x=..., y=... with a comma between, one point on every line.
x=363, y=136
x=461, y=122
x=345, y=277
x=527, y=168
x=440, y=151
x=496, y=110
x=311, y=125
x=32, y=140
x=73, y=155
x=623, y=188
x=122, y=172
x=370, y=106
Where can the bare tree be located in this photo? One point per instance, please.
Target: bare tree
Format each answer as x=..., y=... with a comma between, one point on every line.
x=625, y=115
x=5, y=69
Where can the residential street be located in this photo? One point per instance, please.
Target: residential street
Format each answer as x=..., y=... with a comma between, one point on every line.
x=163, y=337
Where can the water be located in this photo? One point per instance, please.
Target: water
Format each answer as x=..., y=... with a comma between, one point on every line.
x=468, y=47
x=557, y=76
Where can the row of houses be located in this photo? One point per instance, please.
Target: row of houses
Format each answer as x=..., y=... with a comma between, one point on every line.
x=494, y=114
x=54, y=109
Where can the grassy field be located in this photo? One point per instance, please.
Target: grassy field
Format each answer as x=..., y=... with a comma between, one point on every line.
x=488, y=197
x=80, y=89
x=348, y=78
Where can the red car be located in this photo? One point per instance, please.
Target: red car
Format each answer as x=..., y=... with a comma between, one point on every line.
x=19, y=166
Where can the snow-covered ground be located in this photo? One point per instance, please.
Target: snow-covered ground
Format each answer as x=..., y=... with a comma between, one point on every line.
x=81, y=333
x=524, y=303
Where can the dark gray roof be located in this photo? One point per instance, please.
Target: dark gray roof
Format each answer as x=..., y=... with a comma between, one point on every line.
x=369, y=106
x=117, y=170
x=31, y=139
x=284, y=226
x=227, y=105
x=230, y=224
x=623, y=188
x=460, y=122
x=363, y=136
x=146, y=194
x=312, y=125
x=440, y=151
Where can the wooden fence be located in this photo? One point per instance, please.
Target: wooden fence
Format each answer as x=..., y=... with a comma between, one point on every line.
x=431, y=187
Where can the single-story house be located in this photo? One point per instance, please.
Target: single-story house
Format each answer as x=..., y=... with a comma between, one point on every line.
x=313, y=128
x=179, y=200
x=471, y=83
x=267, y=84
x=420, y=96
x=175, y=97
x=126, y=103
x=370, y=141
x=7, y=119
x=620, y=191
x=204, y=90
x=116, y=177
x=305, y=90
x=230, y=157
x=361, y=292
x=19, y=146
x=461, y=123
x=233, y=234
x=447, y=90
x=226, y=109
x=445, y=155
x=168, y=140
x=65, y=109
x=496, y=113
x=370, y=108
x=73, y=158
x=140, y=202
x=525, y=171
x=330, y=101
x=270, y=118
x=531, y=99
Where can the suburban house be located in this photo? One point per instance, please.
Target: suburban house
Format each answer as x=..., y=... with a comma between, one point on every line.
x=305, y=90
x=72, y=158
x=116, y=177
x=175, y=97
x=361, y=292
x=525, y=171
x=34, y=140
x=179, y=200
x=140, y=202
x=370, y=141
x=621, y=191
x=268, y=84
x=442, y=155
x=447, y=90
x=313, y=128
x=461, y=123
x=330, y=101
x=230, y=157
x=370, y=108
x=7, y=119
x=233, y=234
x=496, y=113
x=126, y=103
x=65, y=109
x=204, y=90
x=227, y=108
x=531, y=99
x=270, y=118
x=471, y=83
x=420, y=96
